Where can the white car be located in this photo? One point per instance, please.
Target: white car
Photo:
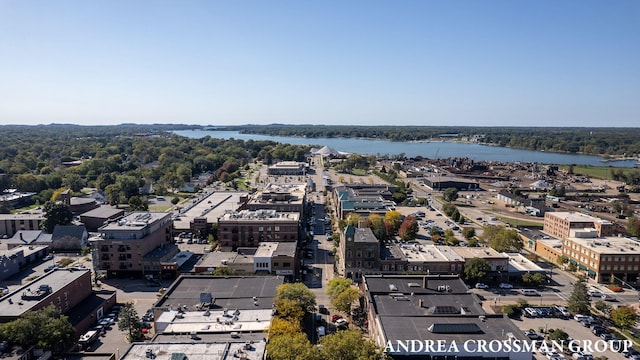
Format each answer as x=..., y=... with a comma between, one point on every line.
x=505, y=286
x=594, y=293
x=482, y=286
x=342, y=322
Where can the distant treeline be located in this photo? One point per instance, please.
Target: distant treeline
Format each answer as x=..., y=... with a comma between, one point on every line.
x=590, y=141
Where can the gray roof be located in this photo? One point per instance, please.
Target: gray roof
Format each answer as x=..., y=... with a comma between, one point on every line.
x=231, y=292
x=73, y=231
x=103, y=212
x=24, y=237
x=285, y=249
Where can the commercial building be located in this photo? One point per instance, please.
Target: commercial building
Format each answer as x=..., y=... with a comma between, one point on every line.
x=359, y=253
x=430, y=259
x=404, y=308
x=603, y=257
x=560, y=224
x=200, y=213
x=12, y=223
x=282, y=197
x=97, y=217
x=17, y=258
x=499, y=262
x=287, y=168
x=69, y=290
x=364, y=199
x=69, y=238
x=442, y=182
x=249, y=228
x=134, y=245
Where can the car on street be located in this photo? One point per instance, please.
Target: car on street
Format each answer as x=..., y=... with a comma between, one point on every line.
x=335, y=317
x=594, y=293
x=47, y=258
x=505, y=286
x=606, y=297
x=482, y=286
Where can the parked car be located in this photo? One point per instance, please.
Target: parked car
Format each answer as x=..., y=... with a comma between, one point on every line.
x=598, y=330
x=47, y=258
x=606, y=336
x=342, y=322
x=533, y=335
x=606, y=297
x=562, y=312
x=482, y=286
x=530, y=312
x=505, y=286
x=335, y=317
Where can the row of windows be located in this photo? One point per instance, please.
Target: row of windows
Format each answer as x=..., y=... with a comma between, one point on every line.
x=262, y=265
x=619, y=267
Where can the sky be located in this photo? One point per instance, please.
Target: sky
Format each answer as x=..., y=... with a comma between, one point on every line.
x=357, y=62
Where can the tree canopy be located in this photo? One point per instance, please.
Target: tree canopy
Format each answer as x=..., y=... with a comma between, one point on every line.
x=502, y=239
x=46, y=329
x=296, y=292
x=476, y=269
x=578, y=302
x=624, y=316
x=56, y=213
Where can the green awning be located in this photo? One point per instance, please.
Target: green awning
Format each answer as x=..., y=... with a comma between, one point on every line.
x=591, y=272
x=582, y=267
x=571, y=261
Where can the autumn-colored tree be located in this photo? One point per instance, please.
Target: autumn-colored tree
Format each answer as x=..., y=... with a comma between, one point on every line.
x=394, y=217
x=291, y=347
x=408, y=229
x=624, y=316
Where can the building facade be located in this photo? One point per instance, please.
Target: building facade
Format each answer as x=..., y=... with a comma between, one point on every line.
x=249, y=228
x=359, y=253
x=12, y=223
x=135, y=245
x=560, y=224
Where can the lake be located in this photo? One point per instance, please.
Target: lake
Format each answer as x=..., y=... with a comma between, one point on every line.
x=430, y=150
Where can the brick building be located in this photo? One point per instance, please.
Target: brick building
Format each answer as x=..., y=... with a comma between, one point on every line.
x=249, y=228
x=560, y=224
x=135, y=245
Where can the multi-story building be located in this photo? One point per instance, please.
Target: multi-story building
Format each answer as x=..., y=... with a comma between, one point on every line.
x=287, y=168
x=560, y=224
x=406, y=309
x=12, y=223
x=249, y=228
x=359, y=253
x=289, y=197
x=363, y=199
x=276, y=258
x=134, y=245
x=603, y=257
x=69, y=290
x=499, y=262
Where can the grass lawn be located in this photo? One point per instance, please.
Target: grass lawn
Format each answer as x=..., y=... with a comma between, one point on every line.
x=359, y=172
x=519, y=222
x=598, y=172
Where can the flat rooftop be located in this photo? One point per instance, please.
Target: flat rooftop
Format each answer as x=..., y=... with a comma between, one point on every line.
x=407, y=284
x=217, y=258
x=609, y=245
x=450, y=253
x=211, y=206
x=135, y=221
x=215, y=321
x=103, y=211
x=194, y=350
x=266, y=215
x=573, y=216
x=14, y=305
x=422, y=253
x=479, y=252
x=233, y=292
x=520, y=263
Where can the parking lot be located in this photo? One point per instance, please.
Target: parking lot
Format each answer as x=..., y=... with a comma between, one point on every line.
x=576, y=330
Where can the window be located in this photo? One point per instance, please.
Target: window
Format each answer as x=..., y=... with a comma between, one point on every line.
x=286, y=265
x=276, y=228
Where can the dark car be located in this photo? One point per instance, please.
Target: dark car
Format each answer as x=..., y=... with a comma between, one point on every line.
x=606, y=336
x=598, y=330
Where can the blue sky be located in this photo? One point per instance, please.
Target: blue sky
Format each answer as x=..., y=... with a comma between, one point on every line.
x=471, y=63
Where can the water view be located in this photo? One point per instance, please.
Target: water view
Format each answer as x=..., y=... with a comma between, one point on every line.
x=425, y=149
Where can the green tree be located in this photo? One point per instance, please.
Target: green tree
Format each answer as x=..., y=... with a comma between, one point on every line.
x=73, y=182
x=633, y=226
x=624, y=316
x=376, y=223
x=129, y=321
x=45, y=328
x=476, y=269
x=578, y=302
x=56, y=213
x=349, y=345
x=343, y=301
x=175, y=200
x=336, y=286
x=291, y=347
x=289, y=310
x=603, y=306
x=502, y=239
x=468, y=232
x=222, y=271
x=535, y=279
x=450, y=194
x=280, y=326
x=558, y=335
x=297, y=292
x=136, y=203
